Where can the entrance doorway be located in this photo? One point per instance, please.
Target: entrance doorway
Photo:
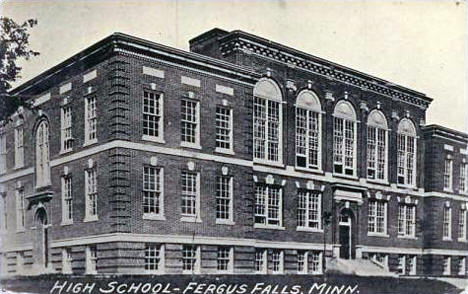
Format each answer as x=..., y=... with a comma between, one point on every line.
x=42, y=241
x=345, y=234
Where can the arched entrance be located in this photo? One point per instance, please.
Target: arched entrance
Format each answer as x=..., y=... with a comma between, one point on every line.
x=42, y=238
x=345, y=227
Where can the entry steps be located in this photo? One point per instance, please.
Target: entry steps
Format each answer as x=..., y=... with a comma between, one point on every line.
x=358, y=267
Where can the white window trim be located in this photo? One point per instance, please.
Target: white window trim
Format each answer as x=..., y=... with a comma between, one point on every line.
x=19, y=195
x=320, y=265
x=405, y=184
x=89, y=270
x=319, y=154
x=413, y=265
x=63, y=128
x=230, y=150
x=160, y=215
x=403, y=266
x=375, y=233
x=162, y=260
x=385, y=179
x=19, y=148
x=463, y=166
x=160, y=138
x=230, y=220
x=265, y=161
x=305, y=269
x=65, y=219
x=463, y=237
x=195, y=145
x=447, y=269
x=281, y=262
x=88, y=141
x=449, y=232
x=3, y=153
x=230, y=268
x=319, y=208
x=197, y=266
x=197, y=217
x=264, y=268
x=88, y=217
x=407, y=236
x=280, y=212
x=462, y=266
x=43, y=174
x=343, y=155
x=67, y=267
x=450, y=175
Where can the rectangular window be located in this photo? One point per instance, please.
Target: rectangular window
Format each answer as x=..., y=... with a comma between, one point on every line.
x=5, y=213
x=154, y=257
x=152, y=115
x=19, y=147
x=447, y=224
x=190, y=194
x=66, y=129
x=224, y=128
x=91, y=259
x=406, y=220
x=462, y=266
x=376, y=153
x=20, y=262
x=224, y=259
x=267, y=130
x=190, y=123
x=224, y=205
x=447, y=265
x=3, y=154
x=268, y=206
x=152, y=191
x=307, y=139
x=401, y=265
x=91, y=194
x=344, y=146
x=412, y=265
x=90, y=120
x=260, y=261
x=463, y=179
x=190, y=259
x=406, y=160
x=276, y=261
x=21, y=210
x=67, y=200
x=67, y=260
x=316, y=262
x=309, y=210
x=302, y=261
x=377, y=217
x=462, y=225
x=448, y=175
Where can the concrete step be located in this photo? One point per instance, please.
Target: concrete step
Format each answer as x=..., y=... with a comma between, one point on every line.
x=358, y=267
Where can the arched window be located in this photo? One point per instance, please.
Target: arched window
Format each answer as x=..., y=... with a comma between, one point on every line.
x=267, y=121
x=406, y=158
x=308, y=130
x=344, y=139
x=42, y=155
x=377, y=146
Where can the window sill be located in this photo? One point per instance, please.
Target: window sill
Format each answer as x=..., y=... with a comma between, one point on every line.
x=407, y=187
x=18, y=166
x=407, y=237
x=90, y=219
x=447, y=239
x=310, y=170
x=224, y=151
x=270, y=163
x=87, y=143
x=186, y=272
x=153, y=139
x=65, y=151
x=382, y=235
x=148, y=216
x=190, y=219
x=381, y=182
x=225, y=222
x=307, y=229
x=190, y=145
x=153, y=272
x=448, y=190
x=21, y=230
x=462, y=240
x=269, y=227
x=66, y=223
x=345, y=176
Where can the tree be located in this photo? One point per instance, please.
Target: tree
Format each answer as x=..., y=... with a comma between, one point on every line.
x=14, y=45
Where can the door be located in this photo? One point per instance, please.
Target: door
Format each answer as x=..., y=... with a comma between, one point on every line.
x=345, y=235
x=42, y=239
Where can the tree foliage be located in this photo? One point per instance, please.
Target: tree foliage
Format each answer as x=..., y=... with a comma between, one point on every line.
x=14, y=45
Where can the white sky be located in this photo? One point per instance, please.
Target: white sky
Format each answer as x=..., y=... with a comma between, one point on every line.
x=418, y=44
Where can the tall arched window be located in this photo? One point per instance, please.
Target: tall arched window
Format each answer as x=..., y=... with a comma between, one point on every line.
x=267, y=121
x=42, y=154
x=406, y=142
x=344, y=139
x=308, y=130
x=377, y=146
